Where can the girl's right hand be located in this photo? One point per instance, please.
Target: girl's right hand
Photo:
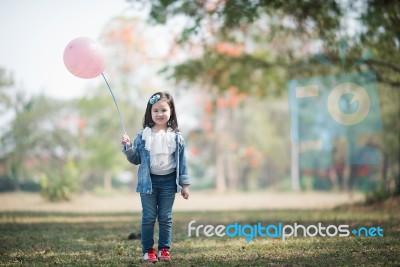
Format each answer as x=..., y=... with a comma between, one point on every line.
x=126, y=141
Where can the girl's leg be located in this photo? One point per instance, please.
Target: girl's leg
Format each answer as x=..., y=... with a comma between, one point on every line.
x=166, y=199
x=149, y=214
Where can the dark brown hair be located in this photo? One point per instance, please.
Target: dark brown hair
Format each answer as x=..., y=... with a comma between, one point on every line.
x=173, y=121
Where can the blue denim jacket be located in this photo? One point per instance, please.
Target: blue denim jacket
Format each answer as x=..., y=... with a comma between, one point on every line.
x=137, y=154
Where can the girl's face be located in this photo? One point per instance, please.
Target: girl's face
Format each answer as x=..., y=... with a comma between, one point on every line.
x=160, y=113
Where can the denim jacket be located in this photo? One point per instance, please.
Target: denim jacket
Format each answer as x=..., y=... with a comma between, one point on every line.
x=137, y=154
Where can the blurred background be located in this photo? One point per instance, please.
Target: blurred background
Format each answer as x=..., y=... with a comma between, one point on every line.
x=227, y=63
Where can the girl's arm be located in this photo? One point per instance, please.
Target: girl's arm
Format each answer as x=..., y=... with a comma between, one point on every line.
x=183, y=178
x=130, y=150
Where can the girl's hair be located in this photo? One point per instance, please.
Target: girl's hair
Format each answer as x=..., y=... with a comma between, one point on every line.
x=167, y=97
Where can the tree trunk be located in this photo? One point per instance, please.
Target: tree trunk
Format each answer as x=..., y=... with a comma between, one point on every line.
x=295, y=166
x=334, y=178
x=232, y=171
x=107, y=185
x=220, y=145
x=220, y=179
x=384, y=172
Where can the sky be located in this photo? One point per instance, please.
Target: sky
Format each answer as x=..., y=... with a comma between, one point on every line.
x=34, y=35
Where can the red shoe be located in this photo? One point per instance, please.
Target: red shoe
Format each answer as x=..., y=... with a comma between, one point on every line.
x=163, y=255
x=150, y=256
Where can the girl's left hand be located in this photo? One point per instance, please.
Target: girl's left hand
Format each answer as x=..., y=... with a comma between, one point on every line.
x=126, y=141
x=185, y=191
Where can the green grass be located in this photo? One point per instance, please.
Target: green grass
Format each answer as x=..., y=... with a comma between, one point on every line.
x=34, y=238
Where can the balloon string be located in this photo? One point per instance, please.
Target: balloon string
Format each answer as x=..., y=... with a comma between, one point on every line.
x=119, y=113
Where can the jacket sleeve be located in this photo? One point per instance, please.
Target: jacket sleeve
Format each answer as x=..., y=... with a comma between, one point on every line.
x=183, y=178
x=133, y=153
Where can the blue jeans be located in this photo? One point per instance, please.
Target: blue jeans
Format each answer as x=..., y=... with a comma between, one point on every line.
x=158, y=205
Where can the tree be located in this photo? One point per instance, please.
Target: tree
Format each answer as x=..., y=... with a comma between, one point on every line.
x=99, y=156
x=382, y=32
x=248, y=44
x=38, y=141
x=6, y=81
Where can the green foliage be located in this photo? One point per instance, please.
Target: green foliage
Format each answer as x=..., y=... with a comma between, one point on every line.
x=248, y=73
x=284, y=29
x=249, y=46
x=256, y=46
x=377, y=196
x=252, y=46
x=7, y=183
x=65, y=144
x=6, y=83
x=39, y=133
x=44, y=135
x=322, y=15
x=60, y=185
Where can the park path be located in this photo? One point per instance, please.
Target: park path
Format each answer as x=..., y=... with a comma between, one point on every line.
x=198, y=201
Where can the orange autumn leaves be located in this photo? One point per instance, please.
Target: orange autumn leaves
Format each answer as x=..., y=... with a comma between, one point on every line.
x=216, y=106
x=231, y=99
x=229, y=49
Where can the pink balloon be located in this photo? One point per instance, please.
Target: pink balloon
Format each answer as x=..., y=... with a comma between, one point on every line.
x=83, y=58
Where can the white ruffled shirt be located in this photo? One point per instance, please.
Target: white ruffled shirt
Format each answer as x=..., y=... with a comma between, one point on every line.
x=161, y=146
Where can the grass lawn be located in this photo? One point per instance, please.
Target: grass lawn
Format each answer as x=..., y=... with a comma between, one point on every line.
x=40, y=238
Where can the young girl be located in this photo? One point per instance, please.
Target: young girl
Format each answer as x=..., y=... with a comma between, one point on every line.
x=160, y=150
